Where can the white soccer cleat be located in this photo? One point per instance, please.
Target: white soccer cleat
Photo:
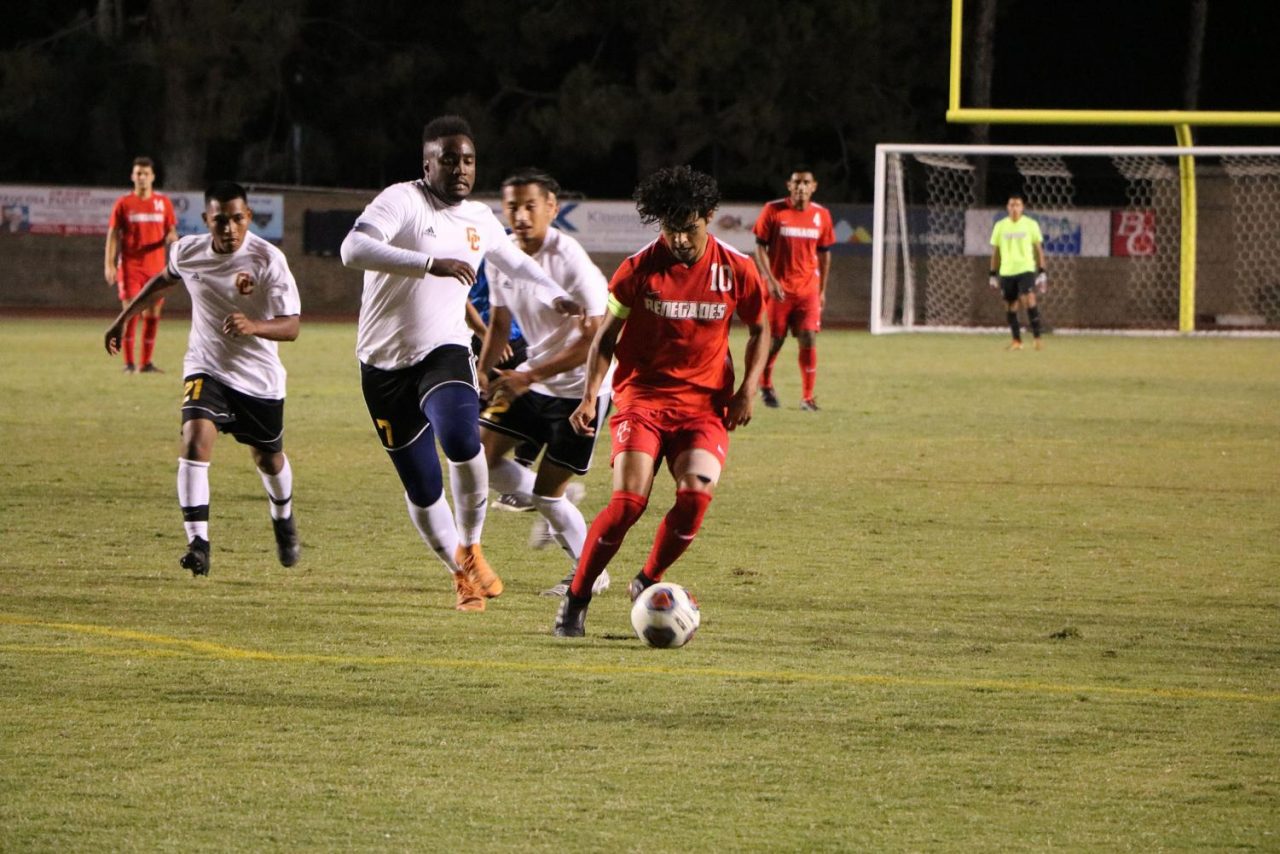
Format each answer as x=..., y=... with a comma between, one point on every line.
x=541, y=535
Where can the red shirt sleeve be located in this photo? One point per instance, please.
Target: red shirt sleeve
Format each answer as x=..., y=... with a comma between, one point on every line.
x=117, y=214
x=622, y=287
x=763, y=229
x=828, y=237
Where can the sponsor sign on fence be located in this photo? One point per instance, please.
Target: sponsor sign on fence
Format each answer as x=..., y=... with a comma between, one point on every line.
x=86, y=210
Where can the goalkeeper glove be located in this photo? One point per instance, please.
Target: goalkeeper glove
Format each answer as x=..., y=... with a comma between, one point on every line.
x=994, y=281
x=1042, y=281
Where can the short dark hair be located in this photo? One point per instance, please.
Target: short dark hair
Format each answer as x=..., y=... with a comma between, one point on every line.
x=803, y=167
x=533, y=175
x=442, y=126
x=144, y=161
x=674, y=195
x=1017, y=194
x=225, y=191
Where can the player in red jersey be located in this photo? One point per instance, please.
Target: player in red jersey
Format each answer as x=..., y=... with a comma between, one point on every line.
x=793, y=236
x=142, y=225
x=669, y=310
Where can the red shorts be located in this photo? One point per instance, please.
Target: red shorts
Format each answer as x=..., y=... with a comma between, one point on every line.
x=667, y=434
x=130, y=279
x=797, y=312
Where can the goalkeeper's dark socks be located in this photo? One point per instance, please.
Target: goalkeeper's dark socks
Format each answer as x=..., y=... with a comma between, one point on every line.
x=1033, y=316
x=1012, y=317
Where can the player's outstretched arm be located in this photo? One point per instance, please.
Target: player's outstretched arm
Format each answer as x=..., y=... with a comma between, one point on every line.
x=516, y=382
x=150, y=292
x=743, y=401
x=365, y=248
x=283, y=328
x=529, y=274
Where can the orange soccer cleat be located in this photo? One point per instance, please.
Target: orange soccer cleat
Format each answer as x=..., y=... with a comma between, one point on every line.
x=1015, y=344
x=469, y=599
x=477, y=570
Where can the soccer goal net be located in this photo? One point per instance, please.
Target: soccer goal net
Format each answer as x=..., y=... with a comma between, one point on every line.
x=1114, y=221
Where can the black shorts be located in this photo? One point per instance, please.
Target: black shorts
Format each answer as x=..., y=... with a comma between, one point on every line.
x=254, y=421
x=519, y=350
x=539, y=419
x=1012, y=286
x=395, y=398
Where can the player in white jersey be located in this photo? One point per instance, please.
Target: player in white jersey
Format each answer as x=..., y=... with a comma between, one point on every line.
x=243, y=300
x=531, y=403
x=419, y=244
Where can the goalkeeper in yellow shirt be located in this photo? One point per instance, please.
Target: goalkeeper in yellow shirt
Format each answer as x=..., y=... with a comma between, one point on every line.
x=1017, y=267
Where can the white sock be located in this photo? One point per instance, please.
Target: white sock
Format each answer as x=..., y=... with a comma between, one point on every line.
x=435, y=525
x=566, y=522
x=193, y=498
x=469, y=482
x=280, y=490
x=508, y=477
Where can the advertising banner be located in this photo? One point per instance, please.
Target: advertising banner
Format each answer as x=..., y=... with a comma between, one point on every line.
x=1133, y=233
x=55, y=210
x=1085, y=233
x=86, y=210
x=268, y=214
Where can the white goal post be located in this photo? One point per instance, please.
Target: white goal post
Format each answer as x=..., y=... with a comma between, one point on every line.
x=1149, y=240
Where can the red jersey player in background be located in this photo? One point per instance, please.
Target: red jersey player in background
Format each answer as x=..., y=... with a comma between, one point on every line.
x=667, y=323
x=142, y=225
x=793, y=236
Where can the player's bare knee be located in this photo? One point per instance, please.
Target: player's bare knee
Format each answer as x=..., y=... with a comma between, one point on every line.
x=268, y=463
x=696, y=481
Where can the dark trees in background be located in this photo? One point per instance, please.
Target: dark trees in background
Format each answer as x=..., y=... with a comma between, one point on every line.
x=330, y=93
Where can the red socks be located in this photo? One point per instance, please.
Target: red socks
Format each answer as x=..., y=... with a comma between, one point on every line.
x=677, y=531
x=604, y=538
x=808, y=371
x=149, y=326
x=766, y=379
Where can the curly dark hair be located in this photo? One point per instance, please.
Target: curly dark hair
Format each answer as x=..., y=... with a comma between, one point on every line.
x=439, y=128
x=674, y=195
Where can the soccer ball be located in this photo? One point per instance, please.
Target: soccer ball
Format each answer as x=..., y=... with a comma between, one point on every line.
x=665, y=615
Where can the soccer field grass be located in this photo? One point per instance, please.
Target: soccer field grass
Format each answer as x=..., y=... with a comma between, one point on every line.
x=981, y=601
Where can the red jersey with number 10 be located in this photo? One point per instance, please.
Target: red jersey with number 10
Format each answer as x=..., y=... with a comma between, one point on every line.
x=143, y=224
x=793, y=238
x=673, y=353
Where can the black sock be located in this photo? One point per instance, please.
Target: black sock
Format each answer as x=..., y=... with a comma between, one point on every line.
x=1012, y=317
x=1033, y=315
